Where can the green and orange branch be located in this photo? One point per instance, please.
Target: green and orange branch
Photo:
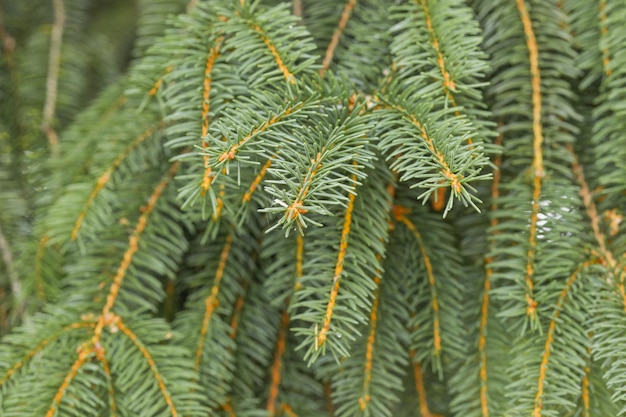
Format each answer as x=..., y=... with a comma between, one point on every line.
x=369, y=348
x=104, y=179
x=585, y=392
x=107, y=318
x=288, y=411
x=320, y=337
x=40, y=347
x=232, y=151
x=330, y=50
x=543, y=368
x=592, y=213
x=257, y=181
x=272, y=48
x=446, y=171
x=212, y=302
x=420, y=388
x=448, y=83
x=484, y=310
x=234, y=321
x=281, y=342
x=537, y=165
x=277, y=365
x=295, y=208
x=84, y=351
x=133, y=244
x=158, y=83
x=214, y=53
x=101, y=356
x=153, y=367
x=400, y=216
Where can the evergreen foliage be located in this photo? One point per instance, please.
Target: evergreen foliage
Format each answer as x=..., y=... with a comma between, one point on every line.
x=312, y=208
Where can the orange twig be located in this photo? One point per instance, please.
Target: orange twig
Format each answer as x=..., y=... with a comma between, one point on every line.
x=277, y=365
x=343, y=246
x=104, y=179
x=330, y=51
x=211, y=302
x=543, y=368
x=484, y=311
x=400, y=216
x=279, y=61
x=84, y=352
x=155, y=371
x=369, y=349
x=133, y=243
x=40, y=347
x=538, y=174
x=214, y=53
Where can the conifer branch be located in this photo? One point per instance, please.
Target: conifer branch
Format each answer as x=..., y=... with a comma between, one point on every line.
x=289, y=76
x=548, y=346
x=421, y=388
x=275, y=373
x=151, y=363
x=369, y=347
x=211, y=302
x=447, y=82
x=52, y=82
x=45, y=342
x=214, y=53
x=484, y=309
x=537, y=166
x=84, y=352
x=104, y=179
x=330, y=50
x=320, y=338
x=400, y=216
x=133, y=247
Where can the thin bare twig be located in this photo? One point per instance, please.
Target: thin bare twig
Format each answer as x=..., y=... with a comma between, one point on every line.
x=52, y=82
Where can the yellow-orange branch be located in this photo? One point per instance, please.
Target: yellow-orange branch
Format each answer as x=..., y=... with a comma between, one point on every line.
x=446, y=171
x=543, y=368
x=257, y=181
x=484, y=311
x=212, y=301
x=279, y=61
x=148, y=357
x=400, y=216
x=448, y=83
x=330, y=51
x=214, y=53
x=592, y=213
x=100, y=354
x=277, y=365
x=420, y=388
x=537, y=166
x=84, y=352
x=343, y=246
x=40, y=347
x=133, y=243
x=585, y=392
x=232, y=152
x=369, y=349
x=104, y=179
